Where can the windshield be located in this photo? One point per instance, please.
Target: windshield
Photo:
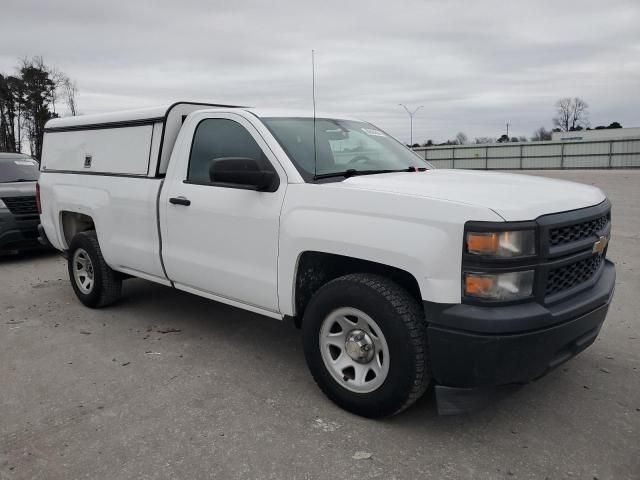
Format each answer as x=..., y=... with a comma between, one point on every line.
x=18, y=169
x=342, y=145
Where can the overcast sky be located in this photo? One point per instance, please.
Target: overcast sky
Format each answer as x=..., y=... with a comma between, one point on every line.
x=474, y=65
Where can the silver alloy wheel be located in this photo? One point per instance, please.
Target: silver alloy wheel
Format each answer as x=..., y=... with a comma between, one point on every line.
x=354, y=350
x=83, y=271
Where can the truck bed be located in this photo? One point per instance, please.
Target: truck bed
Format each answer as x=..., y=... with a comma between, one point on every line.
x=128, y=217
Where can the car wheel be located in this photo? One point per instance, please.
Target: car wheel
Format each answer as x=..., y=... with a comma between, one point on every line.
x=93, y=281
x=366, y=345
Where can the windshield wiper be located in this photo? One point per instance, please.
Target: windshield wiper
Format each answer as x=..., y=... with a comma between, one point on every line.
x=353, y=172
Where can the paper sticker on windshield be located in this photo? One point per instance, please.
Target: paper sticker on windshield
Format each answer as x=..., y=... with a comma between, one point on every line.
x=373, y=132
x=28, y=163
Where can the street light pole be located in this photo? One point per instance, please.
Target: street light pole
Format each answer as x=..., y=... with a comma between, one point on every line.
x=411, y=114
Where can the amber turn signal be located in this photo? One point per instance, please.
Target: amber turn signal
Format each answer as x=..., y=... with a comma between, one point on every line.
x=478, y=286
x=499, y=286
x=482, y=243
x=505, y=244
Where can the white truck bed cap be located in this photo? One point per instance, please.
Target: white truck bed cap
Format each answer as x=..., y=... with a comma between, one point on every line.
x=109, y=117
x=148, y=114
x=131, y=142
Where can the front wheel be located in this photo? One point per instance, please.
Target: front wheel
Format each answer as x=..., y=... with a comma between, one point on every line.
x=366, y=346
x=93, y=281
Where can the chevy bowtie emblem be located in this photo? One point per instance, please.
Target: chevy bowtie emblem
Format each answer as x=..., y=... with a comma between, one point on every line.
x=600, y=245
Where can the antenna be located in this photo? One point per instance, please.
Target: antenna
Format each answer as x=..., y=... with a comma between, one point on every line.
x=313, y=94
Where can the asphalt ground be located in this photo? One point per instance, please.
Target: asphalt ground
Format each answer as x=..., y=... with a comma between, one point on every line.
x=168, y=385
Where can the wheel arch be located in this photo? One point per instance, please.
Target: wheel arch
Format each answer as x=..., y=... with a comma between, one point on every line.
x=72, y=223
x=315, y=268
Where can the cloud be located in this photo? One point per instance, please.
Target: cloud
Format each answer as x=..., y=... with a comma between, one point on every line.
x=473, y=65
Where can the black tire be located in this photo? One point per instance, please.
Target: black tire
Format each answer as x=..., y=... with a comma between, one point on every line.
x=107, y=284
x=402, y=322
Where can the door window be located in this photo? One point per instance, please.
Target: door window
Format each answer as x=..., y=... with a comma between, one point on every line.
x=216, y=138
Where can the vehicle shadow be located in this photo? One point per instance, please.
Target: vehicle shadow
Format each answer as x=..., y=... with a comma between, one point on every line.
x=278, y=345
x=23, y=256
x=163, y=306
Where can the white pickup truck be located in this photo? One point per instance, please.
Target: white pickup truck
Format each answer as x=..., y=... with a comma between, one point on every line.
x=399, y=275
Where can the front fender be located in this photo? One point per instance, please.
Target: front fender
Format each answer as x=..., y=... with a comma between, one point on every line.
x=421, y=236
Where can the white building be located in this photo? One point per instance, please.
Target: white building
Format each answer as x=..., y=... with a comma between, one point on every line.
x=603, y=134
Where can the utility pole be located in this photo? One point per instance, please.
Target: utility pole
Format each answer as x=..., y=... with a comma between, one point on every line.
x=411, y=114
x=508, y=129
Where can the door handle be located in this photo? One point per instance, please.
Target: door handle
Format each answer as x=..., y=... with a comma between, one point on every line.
x=180, y=201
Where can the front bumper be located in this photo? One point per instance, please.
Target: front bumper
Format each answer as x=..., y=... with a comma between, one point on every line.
x=478, y=350
x=18, y=231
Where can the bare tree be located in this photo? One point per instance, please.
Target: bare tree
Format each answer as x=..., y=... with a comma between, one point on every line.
x=571, y=113
x=28, y=101
x=580, y=113
x=62, y=87
x=69, y=91
x=462, y=138
x=540, y=135
x=563, y=114
x=57, y=79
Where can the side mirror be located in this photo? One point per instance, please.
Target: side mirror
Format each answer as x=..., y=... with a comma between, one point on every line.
x=242, y=172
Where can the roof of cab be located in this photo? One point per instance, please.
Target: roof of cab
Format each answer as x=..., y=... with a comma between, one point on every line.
x=280, y=113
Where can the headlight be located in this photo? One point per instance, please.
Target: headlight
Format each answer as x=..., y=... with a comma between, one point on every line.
x=499, y=286
x=517, y=243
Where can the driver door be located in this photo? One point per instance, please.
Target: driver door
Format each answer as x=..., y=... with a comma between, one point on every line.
x=222, y=240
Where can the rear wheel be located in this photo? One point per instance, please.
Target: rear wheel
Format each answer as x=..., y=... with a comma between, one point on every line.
x=366, y=346
x=93, y=281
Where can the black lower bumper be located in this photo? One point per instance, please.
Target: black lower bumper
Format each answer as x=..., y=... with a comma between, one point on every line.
x=470, y=365
x=18, y=232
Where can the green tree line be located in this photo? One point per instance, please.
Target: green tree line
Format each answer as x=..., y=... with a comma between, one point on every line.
x=28, y=100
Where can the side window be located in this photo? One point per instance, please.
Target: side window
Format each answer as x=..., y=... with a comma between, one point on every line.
x=221, y=138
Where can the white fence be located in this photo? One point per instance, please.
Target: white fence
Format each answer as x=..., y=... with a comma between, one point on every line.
x=537, y=155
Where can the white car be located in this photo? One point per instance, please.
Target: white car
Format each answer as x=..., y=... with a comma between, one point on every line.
x=399, y=275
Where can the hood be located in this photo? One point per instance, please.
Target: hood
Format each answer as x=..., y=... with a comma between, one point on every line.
x=512, y=196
